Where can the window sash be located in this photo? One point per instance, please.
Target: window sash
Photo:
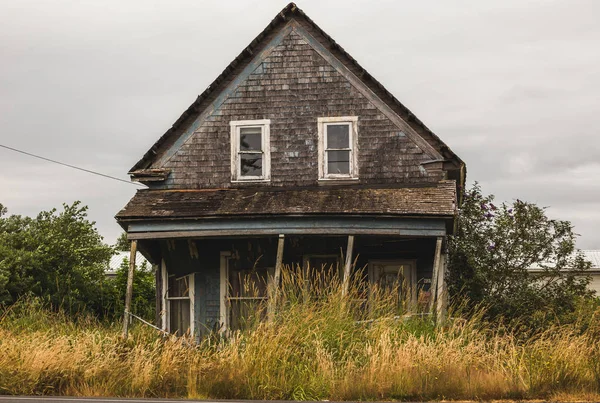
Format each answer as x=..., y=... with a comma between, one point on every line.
x=247, y=153
x=327, y=149
x=238, y=161
x=238, y=153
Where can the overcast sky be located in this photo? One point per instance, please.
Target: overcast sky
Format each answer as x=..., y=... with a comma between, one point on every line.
x=512, y=86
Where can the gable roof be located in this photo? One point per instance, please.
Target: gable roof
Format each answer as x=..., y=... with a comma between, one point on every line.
x=291, y=11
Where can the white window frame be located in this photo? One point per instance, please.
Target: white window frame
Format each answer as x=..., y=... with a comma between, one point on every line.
x=166, y=311
x=235, y=126
x=352, y=122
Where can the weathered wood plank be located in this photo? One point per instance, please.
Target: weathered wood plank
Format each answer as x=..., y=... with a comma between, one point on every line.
x=272, y=305
x=434, y=276
x=441, y=291
x=236, y=233
x=308, y=225
x=348, y=265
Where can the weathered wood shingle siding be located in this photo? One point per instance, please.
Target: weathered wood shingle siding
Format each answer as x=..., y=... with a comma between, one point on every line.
x=293, y=87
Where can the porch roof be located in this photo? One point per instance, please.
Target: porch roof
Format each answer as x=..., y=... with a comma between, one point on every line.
x=437, y=200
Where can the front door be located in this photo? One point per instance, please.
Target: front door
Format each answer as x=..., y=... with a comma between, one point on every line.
x=395, y=275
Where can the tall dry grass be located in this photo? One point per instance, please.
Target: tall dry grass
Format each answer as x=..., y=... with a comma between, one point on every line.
x=320, y=345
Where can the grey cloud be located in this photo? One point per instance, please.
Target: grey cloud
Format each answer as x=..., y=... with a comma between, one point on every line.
x=512, y=86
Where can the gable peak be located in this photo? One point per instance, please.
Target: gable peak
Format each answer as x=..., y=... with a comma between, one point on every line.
x=279, y=22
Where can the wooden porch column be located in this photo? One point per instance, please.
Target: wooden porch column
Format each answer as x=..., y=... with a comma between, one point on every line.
x=276, y=279
x=129, y=292
x=348, y=265
x=441, y=291
x=158, y=297
x=434, y=277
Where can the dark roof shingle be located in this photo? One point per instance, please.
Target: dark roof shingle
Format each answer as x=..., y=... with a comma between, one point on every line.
x=435, y=200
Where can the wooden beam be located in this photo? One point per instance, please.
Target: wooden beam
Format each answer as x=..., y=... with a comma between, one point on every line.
x=441, y=291
x=434, y=277
x=295, y=231
x=275, y=225
x=276, y=279
x=129, y=292
x=158, y=297
x=348, y=265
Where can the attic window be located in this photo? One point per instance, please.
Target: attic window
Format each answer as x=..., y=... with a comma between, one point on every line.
x=250, y=150
x=338, y=147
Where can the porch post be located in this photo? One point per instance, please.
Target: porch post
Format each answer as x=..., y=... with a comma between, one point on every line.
x=129, y=292
x=276, y=279
x=441, y=291
x=158, y=297
x=434, y=277
x=348, y=265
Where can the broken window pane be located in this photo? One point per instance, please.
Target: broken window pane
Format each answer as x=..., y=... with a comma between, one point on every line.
x=179, y=287
x=338, y=136
x=250, y=139
x=338, y=162
x=251, y=164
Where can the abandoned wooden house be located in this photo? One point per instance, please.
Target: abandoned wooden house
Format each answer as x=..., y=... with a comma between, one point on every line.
x=294, y=155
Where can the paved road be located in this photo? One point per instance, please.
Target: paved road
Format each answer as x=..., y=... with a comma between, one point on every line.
x=58, y=399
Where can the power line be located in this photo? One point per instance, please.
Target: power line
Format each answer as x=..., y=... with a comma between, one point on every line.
x=71, y=166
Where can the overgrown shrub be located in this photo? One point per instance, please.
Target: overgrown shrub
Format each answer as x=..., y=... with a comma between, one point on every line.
x=492, y=251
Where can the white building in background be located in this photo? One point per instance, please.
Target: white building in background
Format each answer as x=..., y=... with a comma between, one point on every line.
x=592, y=256
x=117, y=260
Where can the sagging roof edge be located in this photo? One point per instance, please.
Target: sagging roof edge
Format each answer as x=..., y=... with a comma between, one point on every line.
x=288, y=12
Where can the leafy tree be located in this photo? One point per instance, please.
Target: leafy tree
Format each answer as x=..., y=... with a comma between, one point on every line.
x=59, y=256
x=122, y=243
x=144, y=291
x=492, y=251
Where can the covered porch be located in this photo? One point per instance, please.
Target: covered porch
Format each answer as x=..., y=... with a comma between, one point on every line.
x=211, y=284
x=205, y=243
